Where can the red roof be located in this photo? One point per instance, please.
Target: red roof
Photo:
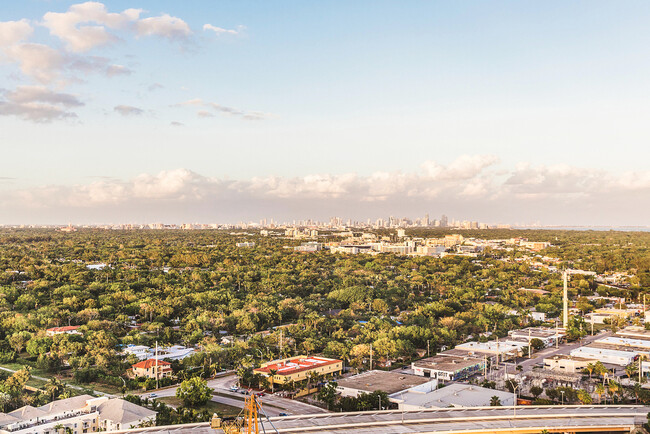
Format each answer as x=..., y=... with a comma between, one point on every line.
x=146, y=364
x=63, y=329
x=297, y=364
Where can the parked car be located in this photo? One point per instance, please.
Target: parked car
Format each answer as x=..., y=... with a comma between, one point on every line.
x=153, y=395
x=283, y=414
x=260, y=394
x=234, y=388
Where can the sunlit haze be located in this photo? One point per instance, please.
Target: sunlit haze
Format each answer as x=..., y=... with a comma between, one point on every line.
x=214, y=111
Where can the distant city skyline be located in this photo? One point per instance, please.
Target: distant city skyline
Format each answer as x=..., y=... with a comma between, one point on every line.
x=141, y=110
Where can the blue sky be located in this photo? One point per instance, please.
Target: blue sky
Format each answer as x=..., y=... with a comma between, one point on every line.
x=318, y=100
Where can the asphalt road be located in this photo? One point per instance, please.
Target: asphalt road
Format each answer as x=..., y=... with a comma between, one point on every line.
x=272, y=405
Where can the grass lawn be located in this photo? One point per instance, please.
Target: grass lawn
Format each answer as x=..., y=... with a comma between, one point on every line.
x=225, y=395
x=99, y=387
x=222, y=410
x=16, y=366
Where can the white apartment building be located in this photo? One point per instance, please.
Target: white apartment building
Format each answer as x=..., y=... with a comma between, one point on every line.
x=80, y=414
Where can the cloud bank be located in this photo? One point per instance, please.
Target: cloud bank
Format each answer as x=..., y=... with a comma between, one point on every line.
x=472, y=187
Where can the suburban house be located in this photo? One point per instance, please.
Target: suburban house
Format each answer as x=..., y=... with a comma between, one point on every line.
x=70, y=330
x=152, y=368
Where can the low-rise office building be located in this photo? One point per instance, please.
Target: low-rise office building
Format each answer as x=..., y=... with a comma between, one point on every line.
x=548, y=336
x=568, y=364
x=501, y=350
x=634, y=332
x=385, y=381
x=299, y=368
x=606, y=355
x=448, y=368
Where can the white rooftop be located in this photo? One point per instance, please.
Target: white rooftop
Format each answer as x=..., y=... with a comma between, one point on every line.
x=456, y=395
x=626, y=342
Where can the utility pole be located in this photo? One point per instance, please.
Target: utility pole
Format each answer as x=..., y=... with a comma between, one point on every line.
x=497, y=351
x=485, y=366
x=557, y=345
x=280, y=343
x=156, y=364
x=565, y=316
x=428, y=353
x=371, y=357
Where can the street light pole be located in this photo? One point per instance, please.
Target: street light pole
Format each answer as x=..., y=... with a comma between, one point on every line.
x=562, y=392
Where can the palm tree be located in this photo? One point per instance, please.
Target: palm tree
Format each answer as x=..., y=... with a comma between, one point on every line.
x=630, y=370
x=590, y=368
x=614, y=389
x=584, y=397
x=54, y=387
x=600, y=391
x=495, y=401
x=272, y=373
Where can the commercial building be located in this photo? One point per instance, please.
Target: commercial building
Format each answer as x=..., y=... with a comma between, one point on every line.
x=385, y=381
x=634, y=332
x=79, y=414
x=624, y=342
x=299, y=368
x=152, y=368
x=567, y=364
x=501, y=350
x=547, y=335
x=453, y=395
x=605, y=355
x=448, y=368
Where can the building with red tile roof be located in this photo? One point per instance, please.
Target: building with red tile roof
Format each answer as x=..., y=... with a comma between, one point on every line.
x=71, y=330
x=152, y=368
x=299, y=368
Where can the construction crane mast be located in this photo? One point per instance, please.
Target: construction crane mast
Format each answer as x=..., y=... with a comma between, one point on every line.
x=249, y=423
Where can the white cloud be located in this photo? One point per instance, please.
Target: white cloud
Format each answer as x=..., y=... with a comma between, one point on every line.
x=38, y=104
x=204, y=114
x=128, y=110
x=83, y=26
x=41, y=62
x=221, y=31
x=166, y=26
x=12, y=32
x=114, y=70
x=226, y=110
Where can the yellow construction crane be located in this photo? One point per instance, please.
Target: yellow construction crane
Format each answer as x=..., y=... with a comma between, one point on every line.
x=249, y=423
